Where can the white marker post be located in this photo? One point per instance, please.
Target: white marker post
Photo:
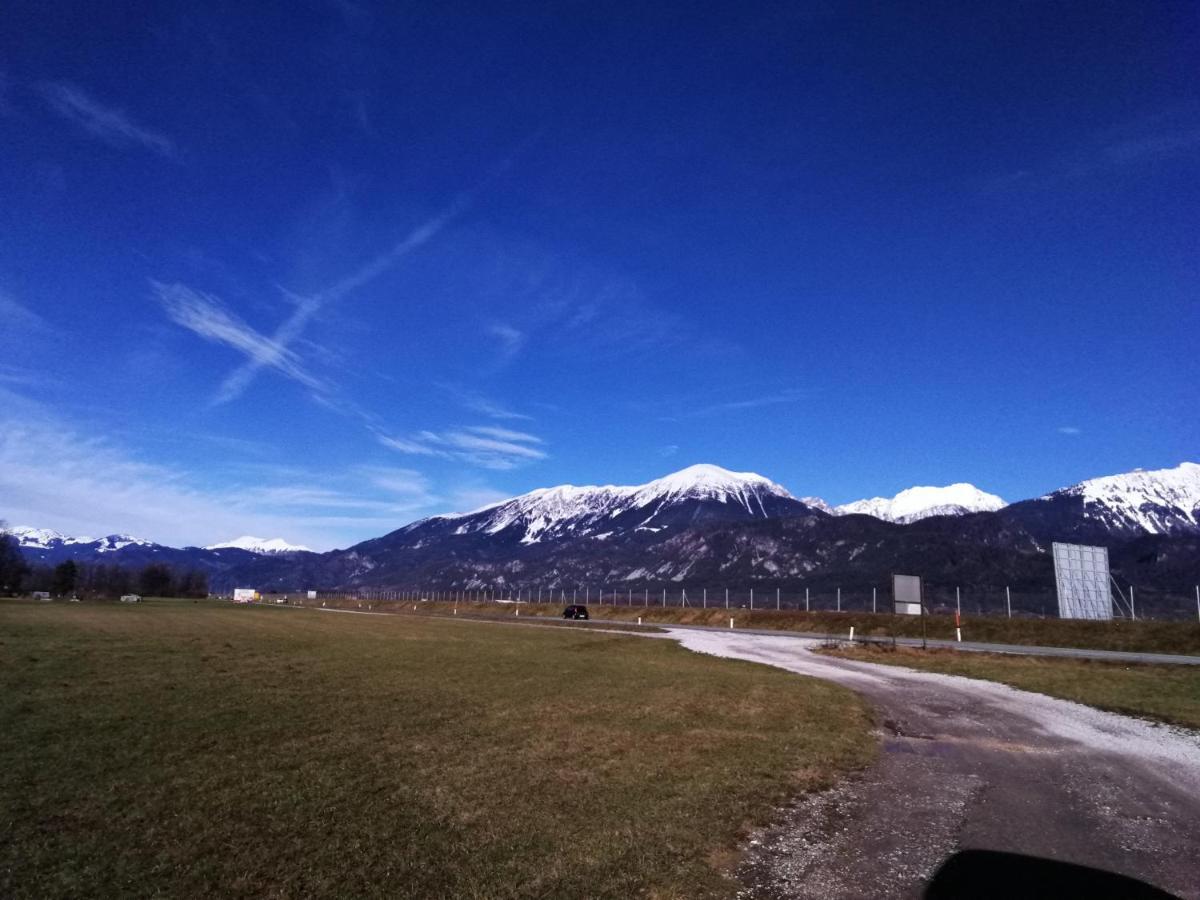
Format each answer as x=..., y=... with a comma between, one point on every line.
x=839, y=599
x=751, y=598
x=806, y=606
x=1132, y=608
x=1008, y=600
x=852, y=634
x=777, y=598
x=873, y=590
x=731, y=621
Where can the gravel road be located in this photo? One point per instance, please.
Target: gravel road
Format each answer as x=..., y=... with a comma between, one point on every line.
x=971, y=764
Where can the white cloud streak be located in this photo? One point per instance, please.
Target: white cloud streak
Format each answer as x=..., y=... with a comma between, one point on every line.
x=106, y=123
x=53, y=476
x=204, y=315
x=500, y=449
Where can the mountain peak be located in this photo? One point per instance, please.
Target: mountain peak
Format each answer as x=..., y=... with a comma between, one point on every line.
x=707, y=479
x=923, y=501
x=1157, y=500
x=259, y=545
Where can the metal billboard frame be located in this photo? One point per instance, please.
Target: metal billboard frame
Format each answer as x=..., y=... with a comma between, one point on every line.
x=1082, y=577
x=906, y=595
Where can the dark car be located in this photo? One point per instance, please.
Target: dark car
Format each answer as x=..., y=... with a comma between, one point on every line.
x=575, y=612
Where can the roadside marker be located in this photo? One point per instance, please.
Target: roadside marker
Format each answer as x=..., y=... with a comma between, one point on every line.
x=731, y=621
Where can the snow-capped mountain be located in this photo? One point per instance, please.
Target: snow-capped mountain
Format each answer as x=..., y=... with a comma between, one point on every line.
x=1162, y=501
x=44, y=538
x=697, y=493
x=917, y=503
x=44, y=542
x=260, y=545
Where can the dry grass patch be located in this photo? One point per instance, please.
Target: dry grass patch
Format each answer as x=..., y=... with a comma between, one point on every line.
x=198, y=749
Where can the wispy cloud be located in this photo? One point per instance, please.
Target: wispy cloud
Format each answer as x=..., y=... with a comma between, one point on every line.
x=17, y=316
x=668, y=450
x=777, y=398
x=106, y=123
x=1069, y=429
x=53, y=475
x=504, y=434
x=307, y=307
x=207, y=317
x=486, y=407
x=511, y=341
x=480, y=445
x=1141, y=142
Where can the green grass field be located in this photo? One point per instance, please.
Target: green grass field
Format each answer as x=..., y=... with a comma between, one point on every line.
x=1162, y=693
x=186, y=749
x=1143, y=636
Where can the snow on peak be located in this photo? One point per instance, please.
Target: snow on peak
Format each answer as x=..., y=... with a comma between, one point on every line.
x=111, y=542
x=259, y=545
x=708, y=481
x=922, y=502
x=568, y=508
x=43, y=538
x=1156, y=501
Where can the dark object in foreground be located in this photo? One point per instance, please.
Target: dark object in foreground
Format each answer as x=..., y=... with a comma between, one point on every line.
x=983, y=874
x=575, y=612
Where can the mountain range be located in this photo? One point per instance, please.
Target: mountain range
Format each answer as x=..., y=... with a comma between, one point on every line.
x=705, y=525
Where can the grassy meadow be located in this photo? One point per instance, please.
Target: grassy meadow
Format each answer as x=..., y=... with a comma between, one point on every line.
x=1168, y=694
x=186, y=749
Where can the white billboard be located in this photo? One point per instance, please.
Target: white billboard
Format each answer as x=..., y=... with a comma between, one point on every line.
x=1082, y=577
x=906, y=594
x=244, y=595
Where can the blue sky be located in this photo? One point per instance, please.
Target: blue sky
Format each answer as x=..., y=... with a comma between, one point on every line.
x=316, y=269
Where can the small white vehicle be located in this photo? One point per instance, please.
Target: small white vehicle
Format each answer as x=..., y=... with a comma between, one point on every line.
x=131, y=598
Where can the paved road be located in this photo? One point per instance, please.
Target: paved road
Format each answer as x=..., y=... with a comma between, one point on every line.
x=973, y=764
x=1173, y=659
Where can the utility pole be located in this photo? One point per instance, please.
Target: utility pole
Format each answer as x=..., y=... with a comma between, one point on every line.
x=727, y=598
x=1008, y=600
x=839, y=607
x=704, y=600
x=777, y=598
x=752, y=598
x=806, y=606
x=873, y=590
x=1132, y=608
x=957, y=601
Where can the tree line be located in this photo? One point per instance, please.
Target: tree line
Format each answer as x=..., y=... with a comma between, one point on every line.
x=94, y=580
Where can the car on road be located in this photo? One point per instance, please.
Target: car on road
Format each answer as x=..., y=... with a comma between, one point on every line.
x=575, y=612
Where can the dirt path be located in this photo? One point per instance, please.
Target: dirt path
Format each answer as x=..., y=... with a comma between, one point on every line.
x=973, y=764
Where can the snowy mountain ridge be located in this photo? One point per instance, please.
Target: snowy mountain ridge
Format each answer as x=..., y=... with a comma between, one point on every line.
x=1157, y=502
x=570, y=509
x=918, y=503
x=48, y=539
x=259, y=545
